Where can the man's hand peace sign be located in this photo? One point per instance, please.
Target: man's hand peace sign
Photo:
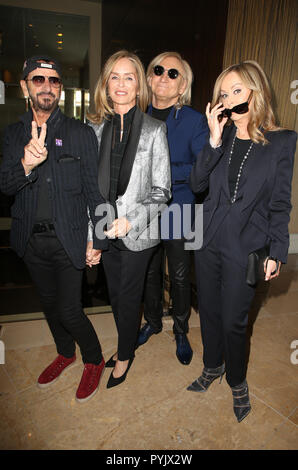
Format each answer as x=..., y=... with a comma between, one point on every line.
x=35, y=151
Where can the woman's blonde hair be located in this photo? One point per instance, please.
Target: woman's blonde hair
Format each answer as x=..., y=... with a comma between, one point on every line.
x=102, y=101
x=261, y=118
x=185, y=97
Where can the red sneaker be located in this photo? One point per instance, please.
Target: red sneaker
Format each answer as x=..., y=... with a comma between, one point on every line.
x=54, y=370
x=90, y=381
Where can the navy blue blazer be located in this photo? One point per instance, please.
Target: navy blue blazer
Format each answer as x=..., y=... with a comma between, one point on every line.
x=261, y=212
x=187, y=134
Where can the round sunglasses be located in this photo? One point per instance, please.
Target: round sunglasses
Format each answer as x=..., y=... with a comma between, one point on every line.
x=160, y=70
x=39, y=80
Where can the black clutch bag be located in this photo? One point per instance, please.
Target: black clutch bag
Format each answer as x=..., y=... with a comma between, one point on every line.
x=255, y=266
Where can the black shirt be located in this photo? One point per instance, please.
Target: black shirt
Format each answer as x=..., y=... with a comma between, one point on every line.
x=118, y=149
x=240, y=148
x=161, y=114
x=44, y=203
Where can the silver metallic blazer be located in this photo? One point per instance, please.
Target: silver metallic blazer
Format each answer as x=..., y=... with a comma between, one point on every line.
x=145, y=177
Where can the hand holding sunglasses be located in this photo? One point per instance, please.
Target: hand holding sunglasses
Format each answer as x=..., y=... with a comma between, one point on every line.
x=215, y=124
x=241, y=108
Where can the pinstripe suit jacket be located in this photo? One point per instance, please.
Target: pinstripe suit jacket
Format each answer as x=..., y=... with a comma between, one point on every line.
x=73, y=162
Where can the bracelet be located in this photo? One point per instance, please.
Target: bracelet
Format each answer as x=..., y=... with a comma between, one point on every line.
x=215, y=146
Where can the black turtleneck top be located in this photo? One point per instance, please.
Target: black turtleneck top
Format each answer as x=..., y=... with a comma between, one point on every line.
x=118, y=149
x=117, y=152
x=161, y=114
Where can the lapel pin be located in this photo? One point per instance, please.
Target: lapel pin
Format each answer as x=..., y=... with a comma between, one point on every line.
x=58, y=142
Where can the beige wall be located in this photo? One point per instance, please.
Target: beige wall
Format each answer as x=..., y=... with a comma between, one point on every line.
x=266, y=31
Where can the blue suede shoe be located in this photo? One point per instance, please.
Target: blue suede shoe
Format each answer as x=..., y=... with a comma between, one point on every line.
x=145, y=332
x=183, y=351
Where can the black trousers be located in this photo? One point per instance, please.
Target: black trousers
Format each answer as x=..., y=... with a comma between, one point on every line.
x=224, y=300
x=125, y=272
x=59, y=285
x=179, y=273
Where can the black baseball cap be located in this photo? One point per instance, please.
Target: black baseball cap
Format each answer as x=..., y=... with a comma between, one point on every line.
x=42, y=61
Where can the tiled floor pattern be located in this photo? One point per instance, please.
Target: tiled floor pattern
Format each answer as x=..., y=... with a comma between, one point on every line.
x=152, y=409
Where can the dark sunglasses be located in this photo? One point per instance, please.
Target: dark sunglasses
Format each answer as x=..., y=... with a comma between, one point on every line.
x=241, y=108
x=160, y=70
x=39, y=80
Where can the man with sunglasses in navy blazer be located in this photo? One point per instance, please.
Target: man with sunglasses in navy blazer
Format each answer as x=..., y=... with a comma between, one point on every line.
x=170, y=79
x=50, y=165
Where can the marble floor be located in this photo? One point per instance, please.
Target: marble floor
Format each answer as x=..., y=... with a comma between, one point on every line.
x=152, y=409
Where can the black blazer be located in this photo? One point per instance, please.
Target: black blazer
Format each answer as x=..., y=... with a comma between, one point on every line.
x=73, y=160
x=261, y=212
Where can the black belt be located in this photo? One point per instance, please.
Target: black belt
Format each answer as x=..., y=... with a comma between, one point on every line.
x=42, y=227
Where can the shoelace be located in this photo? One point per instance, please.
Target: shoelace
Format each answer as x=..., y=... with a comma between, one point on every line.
x=89, y=376
x=56, y=368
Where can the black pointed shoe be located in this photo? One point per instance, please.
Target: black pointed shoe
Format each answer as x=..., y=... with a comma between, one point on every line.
x=111, y=362
x=205, y=380
x=183, y=351
x=145, y=332
x=114, y=381
x=241, y=404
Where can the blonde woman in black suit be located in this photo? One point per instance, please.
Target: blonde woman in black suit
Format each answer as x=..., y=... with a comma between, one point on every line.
x=247, y=166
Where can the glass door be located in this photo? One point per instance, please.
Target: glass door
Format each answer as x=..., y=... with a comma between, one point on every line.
x=24, y=33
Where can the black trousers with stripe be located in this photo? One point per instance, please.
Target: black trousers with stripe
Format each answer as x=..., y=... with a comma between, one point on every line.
x=224, y=300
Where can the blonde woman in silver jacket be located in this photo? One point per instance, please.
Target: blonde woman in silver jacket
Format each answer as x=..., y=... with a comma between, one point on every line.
x=134, y=179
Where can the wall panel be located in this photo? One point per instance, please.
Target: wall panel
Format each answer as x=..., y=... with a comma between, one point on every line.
x=266, y=31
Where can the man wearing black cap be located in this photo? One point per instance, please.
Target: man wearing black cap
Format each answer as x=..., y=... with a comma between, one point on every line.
x=50, y=166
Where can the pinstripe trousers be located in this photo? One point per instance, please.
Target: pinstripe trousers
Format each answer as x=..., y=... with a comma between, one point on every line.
x=59, y=285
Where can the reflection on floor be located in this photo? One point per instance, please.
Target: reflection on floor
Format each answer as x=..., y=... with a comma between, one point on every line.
x=19, y=295
x=152, y=409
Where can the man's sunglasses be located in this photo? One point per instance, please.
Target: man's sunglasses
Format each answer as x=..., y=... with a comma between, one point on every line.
x=241, y=108
x=160, y=70
x=39, y=80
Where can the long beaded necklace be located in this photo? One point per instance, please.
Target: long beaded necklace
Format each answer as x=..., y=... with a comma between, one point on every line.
x=233, y=199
